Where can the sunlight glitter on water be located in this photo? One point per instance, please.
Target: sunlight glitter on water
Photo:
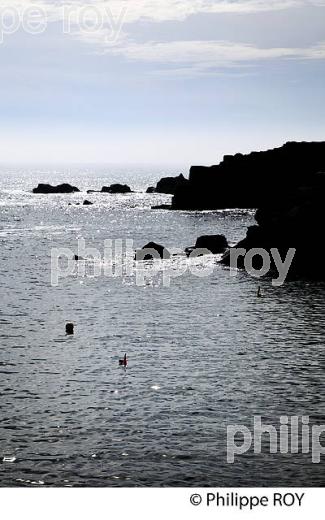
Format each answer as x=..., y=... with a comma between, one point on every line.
x=202, y=352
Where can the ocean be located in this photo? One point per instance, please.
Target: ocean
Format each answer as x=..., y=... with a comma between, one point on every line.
x=203, y=352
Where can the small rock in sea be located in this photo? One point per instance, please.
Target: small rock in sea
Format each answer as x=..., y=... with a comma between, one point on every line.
x=116, y=188
x=169, y=185
x=152, y=251
x=189, y=250
x=77, y=258
x=61, y=188
x=151, y=189
x=87, y=203
x=214, y=244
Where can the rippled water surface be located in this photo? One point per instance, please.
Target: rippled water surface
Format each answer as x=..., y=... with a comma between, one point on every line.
x=204, y=353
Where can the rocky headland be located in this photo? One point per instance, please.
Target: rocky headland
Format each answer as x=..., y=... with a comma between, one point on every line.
x=252, y=180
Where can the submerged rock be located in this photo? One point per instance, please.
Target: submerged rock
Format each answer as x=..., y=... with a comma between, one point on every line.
x=152, y=251
x=61, y=188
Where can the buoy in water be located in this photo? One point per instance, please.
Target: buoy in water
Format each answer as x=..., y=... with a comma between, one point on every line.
x=123, y=362
x=69, y=329
x=9, y=459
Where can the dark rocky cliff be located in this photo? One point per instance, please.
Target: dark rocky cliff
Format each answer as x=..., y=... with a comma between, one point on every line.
x=252, y=180
x=293, y=220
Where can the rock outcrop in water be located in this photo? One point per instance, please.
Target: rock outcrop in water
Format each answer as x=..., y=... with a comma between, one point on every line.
x=169, y=185
x=215, y=244
x=253, y=180
x=150, y=251
x=61, y=188
x=294, y=220
x=116, y=188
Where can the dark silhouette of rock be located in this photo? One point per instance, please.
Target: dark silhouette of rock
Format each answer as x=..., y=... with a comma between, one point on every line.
x=293, y=220
x=252, y=180
x=152, y=251
x=116, y=188
x=209, y=244
x=162, y=206
x=87, y=203
x=169, y=185
x=77, y=258
x=89, y=192
x=216, y=244
x=61, y=188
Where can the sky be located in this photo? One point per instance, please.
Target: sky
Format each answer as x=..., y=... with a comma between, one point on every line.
x=158, y=81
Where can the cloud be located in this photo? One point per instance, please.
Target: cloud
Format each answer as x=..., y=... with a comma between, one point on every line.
x=91, y=19
x=152, y=10
x=104, y=24
x=197, y=57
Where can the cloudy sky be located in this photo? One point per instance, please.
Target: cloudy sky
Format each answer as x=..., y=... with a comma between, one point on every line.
x=158, y=81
